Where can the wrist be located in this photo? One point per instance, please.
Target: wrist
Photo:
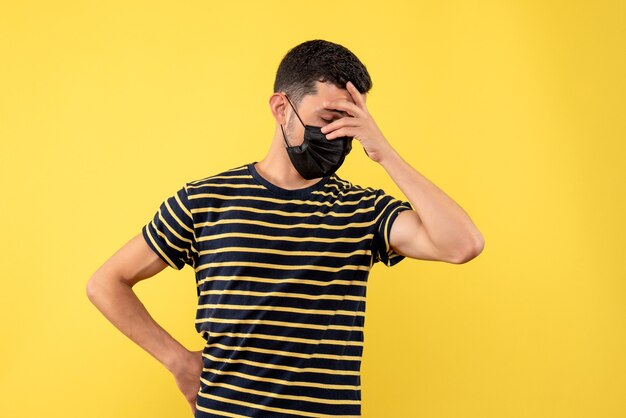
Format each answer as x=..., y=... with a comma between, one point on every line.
x=388, y=157
x=176, y=359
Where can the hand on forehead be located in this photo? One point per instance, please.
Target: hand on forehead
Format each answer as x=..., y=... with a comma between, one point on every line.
x=347, y=104
x=330, y=92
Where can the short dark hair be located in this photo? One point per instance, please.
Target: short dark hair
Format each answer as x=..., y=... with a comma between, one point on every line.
x=319, y=60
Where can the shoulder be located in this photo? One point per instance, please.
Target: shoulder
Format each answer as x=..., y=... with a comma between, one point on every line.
x=234, y=173
x=366, y=195
x=345, y=188
x=231, y=173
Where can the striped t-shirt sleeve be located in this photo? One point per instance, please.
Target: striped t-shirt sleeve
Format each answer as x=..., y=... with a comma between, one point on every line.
x=170, y=233
x=387, y=209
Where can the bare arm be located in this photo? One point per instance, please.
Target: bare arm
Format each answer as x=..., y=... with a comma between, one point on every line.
x=438, y=228
x=110, y=290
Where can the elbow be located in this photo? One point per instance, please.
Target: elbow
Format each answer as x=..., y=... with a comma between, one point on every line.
x=470, y=252
x=92, y=289
x=96, y=287
x=102, y=286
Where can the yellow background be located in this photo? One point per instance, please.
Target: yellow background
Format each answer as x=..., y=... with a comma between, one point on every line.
x=515, y=109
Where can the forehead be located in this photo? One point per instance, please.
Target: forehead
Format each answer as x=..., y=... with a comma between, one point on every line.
x=325, y=92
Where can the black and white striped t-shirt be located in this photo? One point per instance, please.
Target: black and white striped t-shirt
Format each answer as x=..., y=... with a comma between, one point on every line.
x=281, y=278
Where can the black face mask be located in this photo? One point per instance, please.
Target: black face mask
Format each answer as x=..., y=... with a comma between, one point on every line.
x=317, y=156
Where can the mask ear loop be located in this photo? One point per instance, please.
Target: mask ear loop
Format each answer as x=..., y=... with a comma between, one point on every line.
x=294, y=111
x=284, y=137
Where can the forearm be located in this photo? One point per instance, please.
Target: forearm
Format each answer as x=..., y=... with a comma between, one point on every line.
x=448, y=226
x=121, y=306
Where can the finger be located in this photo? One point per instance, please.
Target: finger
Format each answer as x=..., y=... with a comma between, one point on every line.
x=340, y=123
x=345, y=106
x=348, y=131
x=356, y=95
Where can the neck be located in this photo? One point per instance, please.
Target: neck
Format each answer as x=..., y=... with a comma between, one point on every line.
x=277, y=168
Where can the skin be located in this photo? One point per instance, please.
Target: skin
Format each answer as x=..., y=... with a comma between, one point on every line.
x=438, y=229
x=110, y=290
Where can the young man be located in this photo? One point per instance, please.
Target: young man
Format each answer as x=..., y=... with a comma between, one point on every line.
x=282, y=249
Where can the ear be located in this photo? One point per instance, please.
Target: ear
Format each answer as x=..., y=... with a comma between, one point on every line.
x=278, y=106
